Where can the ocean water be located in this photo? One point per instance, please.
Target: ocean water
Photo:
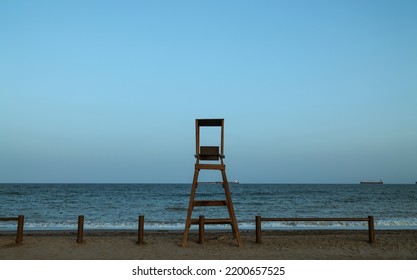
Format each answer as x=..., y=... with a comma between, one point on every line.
x=117, y=206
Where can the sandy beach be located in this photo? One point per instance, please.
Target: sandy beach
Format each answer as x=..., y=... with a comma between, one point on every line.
x=287, y=245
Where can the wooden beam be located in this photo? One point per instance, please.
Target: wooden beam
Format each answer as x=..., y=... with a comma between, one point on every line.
x=314, y=219
x=210, y=203
x=209, y=122
x=215, y=221
x=370, y=220
x=210, y=166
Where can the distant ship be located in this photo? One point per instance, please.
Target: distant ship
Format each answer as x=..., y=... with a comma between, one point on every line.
x=230, y=182
x=380, y=182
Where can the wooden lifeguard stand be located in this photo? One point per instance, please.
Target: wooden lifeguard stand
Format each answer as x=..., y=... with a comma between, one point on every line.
x=210, y=153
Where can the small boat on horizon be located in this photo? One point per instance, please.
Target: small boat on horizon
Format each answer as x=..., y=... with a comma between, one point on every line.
x=230, y=182
x=380, y=182
x=220, y=182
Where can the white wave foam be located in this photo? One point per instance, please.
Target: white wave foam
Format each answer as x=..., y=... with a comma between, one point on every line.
x=247, y=225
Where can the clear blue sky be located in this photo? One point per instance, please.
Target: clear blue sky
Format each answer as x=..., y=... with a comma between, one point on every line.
x=108, y=91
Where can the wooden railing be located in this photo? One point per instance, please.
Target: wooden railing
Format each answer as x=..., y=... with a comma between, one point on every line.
x=20, y=222
x=80, y=229
x=370, y=220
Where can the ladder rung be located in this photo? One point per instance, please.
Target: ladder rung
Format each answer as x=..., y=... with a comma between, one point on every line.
x=210, y=203
x=212, y=221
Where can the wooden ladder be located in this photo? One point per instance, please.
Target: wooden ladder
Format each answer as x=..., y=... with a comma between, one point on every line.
x=210, y=203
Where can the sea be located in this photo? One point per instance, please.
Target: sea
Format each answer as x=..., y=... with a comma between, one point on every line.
x=117, y=206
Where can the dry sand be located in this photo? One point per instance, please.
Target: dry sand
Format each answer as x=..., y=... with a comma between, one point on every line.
x=286, y=245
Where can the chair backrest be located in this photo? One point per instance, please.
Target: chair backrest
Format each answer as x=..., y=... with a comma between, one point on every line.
x=209, y=152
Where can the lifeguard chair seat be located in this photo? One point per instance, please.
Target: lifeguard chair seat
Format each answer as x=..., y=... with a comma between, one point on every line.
x=209, y=152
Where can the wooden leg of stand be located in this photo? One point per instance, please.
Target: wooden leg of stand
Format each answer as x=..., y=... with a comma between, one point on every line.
x=190, y=208
x=232, y=214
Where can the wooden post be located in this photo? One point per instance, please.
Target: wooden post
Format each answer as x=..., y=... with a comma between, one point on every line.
x=80, y=231
x=201, y=229
x=222, y=139
x=20, y=223
x=197, y=139
x=371, y=226
x=258, y=229
x=140, y=229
